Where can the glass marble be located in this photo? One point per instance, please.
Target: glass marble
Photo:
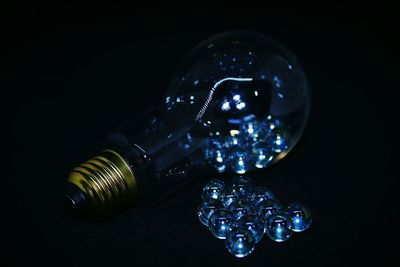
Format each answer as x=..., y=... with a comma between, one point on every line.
x=262, y=154
x=235, y=142
x=221, y=222
x=228, y=195
x=206, y=209
x=260, y=193
x=243, y=184
x=240, y=208
x=212, y=189
x=240, y=242
x=253, y=130
x=268, y=207
x=254, y=224
x=278, y=227
x=279, y=140
x=216, y=155
x=240, y=161
x=300, y=216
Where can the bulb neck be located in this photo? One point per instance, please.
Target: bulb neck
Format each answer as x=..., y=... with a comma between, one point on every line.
x=101, y=186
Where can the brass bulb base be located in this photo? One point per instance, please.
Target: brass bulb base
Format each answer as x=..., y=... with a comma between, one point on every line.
x=106, y=184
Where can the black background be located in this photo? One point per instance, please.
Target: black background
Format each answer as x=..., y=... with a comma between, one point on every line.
x=72, y=76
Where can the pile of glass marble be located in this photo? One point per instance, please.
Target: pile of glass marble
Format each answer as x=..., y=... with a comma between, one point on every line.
x=241, y=214
x=254, y=145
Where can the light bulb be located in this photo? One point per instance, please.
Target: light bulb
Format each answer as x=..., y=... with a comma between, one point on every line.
x=238, y=102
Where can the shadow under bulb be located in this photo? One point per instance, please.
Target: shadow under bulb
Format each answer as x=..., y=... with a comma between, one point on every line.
x=238, y=102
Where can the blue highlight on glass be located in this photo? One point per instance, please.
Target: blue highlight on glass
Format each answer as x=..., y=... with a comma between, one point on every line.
x=242, y=213
x=254, y=224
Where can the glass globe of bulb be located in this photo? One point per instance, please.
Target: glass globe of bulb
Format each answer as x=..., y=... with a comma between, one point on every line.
x=238, y=102
x=247, y=95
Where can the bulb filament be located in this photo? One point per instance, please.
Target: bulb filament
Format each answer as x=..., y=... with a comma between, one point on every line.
x=210, y=95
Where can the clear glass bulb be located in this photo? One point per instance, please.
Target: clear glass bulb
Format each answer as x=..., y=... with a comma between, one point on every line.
x=248, y=94
x=238, y=102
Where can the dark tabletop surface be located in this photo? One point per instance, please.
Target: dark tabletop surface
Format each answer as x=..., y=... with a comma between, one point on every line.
x=74, y=76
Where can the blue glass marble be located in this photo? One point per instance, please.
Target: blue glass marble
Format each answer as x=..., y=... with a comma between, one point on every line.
x=212, y=189
x=253, y=130
x=243, y=184
x=235, y=142
x=279, y=140
x=300, y=215
x=240, y=161
x=240, y=208
x=254, y=224
x=240, y=242
x=216, y=155
x=228, y=195
x=206, y=209
x=262, y=154
x=221, y=222
x=278, y=227
x=260, y=193
x=268, y=207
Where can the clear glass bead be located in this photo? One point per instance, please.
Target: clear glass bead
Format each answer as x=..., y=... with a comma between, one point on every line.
x=260, y=193
x=300, y=216
x=279, y=140
x=253, y=131
x=243, y=184
x=278, y=227
x=228, y=195
x=254, y=224
x=240, y=208
x=262, y=154
x=221, y=222
x=240, y=160
x=212, y=189
x=206, y=209
x=235, y=142
x=240, y=242
x=268, y=207
x=272, y=123
x=216, y=155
